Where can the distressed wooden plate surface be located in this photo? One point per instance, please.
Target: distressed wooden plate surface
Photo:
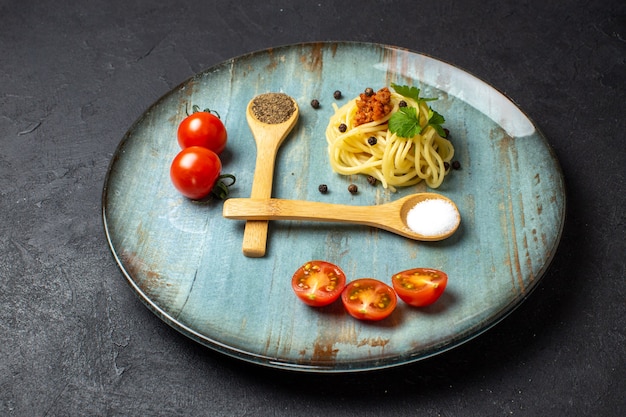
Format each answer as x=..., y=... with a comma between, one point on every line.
x=185, y=261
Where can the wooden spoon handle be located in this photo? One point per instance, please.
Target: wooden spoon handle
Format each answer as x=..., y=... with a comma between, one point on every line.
x=255, y=233
x=279, y=209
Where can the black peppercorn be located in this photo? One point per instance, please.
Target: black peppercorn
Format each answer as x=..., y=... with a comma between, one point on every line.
x=323, y=188
x=343, y=127
x=315, y=104
x=372, y=140
x=371, y=180
x=369, y=92
x=446, y=166
x=353, y=189
x=446, y=131
x=402, y=103
x=456, y=165
x=337, y=94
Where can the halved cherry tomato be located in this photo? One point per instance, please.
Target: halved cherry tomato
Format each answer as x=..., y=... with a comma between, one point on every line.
x=419, y=287
x=204, y=129
x=318, y=283
x=195, y=171
x=369, y=299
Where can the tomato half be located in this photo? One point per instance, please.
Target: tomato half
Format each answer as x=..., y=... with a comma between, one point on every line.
x=318, y=283
x=194, y=172
x=202, y=129
x=369, y=299
x=419, y=287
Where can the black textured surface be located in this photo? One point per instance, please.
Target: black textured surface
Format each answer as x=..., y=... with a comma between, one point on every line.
x=74, y=339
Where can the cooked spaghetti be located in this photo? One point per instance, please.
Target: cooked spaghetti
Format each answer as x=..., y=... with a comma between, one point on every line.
x=360, y=142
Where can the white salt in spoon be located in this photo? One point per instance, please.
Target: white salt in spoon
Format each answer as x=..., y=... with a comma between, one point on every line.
x=394, y=217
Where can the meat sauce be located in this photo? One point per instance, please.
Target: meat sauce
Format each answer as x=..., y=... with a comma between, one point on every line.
x=372, y=106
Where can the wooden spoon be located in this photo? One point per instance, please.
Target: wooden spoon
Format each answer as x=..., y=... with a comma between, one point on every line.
x=265, y=119
x=390, y=216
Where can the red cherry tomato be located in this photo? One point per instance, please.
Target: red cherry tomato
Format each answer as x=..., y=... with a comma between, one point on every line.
x=194, y=172
x=419, y=287
x=369, y=299
x=318, y=283
x=202, y=129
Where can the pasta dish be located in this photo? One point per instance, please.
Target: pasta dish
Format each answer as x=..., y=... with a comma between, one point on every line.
x=395, y=138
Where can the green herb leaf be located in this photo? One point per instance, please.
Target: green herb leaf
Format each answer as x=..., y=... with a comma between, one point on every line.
x=436, y=120
x=406, y=91
x=405, y=122
x=410, y=92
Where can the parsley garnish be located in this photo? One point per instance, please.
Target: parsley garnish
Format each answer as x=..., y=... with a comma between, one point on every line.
x=436, y=120
x=405, y=122
x=410, y=92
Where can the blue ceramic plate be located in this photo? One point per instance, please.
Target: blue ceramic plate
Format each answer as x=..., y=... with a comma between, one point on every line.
x=184, y=260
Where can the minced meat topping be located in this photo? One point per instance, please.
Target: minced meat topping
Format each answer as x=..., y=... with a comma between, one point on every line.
x=372, y=107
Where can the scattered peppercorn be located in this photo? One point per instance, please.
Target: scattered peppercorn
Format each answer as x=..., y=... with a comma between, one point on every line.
x=402, y=103
x=353, y=189
x=323, y=188
x=456, y=165
x=371, y=180
x=369, y=92
x=337, y=94
x=343, y=127
x=446, y=131
x=315, y=103
x=446, y=166
x=372, y=140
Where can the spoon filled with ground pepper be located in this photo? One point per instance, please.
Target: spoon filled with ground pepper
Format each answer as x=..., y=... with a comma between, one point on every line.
x=421, y=216
x=271, y=116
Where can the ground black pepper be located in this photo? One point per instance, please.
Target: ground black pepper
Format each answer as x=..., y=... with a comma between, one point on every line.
x=273, y=108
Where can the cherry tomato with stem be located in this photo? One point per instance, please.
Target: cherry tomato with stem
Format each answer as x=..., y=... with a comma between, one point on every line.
x=369, y=299
x=419, y=287
x=318, y=283
x=196, y=173
x=202, y=128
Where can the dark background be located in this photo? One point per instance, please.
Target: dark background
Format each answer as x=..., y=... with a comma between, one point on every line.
x=75, y=340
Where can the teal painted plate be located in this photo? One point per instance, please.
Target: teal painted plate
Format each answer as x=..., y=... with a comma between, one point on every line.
x=184, y=260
